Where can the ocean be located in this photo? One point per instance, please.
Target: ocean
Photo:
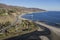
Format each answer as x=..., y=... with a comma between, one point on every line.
x=48, y=17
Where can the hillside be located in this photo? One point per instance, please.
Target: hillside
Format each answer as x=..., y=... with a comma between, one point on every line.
x=8, y=11
x=20, y=9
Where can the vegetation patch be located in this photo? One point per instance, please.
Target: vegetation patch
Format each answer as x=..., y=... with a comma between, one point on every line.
x=18, y=29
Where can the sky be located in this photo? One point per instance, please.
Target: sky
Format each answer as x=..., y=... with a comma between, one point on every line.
x=50, y=5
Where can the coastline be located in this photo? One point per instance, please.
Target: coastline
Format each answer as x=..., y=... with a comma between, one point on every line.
x=28, y=13
x=55, y=31
x=44, y=34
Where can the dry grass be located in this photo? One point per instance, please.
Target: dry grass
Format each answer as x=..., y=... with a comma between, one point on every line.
x=4, y=19
x=12, y=31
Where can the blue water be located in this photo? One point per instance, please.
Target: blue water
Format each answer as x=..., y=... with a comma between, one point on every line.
x=50, y=17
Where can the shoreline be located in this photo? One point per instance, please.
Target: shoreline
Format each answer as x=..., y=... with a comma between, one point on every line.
x=27, y=13
x=53, y=29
